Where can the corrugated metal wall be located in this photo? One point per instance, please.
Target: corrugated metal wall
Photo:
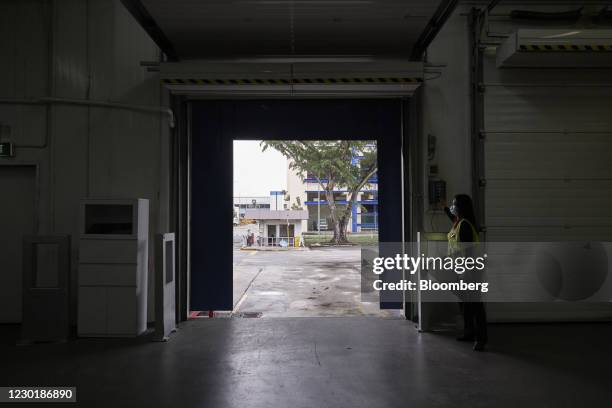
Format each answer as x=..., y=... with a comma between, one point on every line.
x=547, y=151
x=86, y=50
x=548, y=146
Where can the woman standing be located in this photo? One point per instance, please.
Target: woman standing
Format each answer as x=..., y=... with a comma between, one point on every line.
x=464, y=230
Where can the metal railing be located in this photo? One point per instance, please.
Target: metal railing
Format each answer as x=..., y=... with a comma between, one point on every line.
x=275, y=241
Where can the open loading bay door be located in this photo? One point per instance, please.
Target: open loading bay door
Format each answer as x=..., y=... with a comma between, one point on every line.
x=214, y=127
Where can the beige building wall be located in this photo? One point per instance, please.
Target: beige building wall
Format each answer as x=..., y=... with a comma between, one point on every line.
x=296, y=190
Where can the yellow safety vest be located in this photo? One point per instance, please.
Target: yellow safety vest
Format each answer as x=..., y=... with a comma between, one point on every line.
x=453, y=236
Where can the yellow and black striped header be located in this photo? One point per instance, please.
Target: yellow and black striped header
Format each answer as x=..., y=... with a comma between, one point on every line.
x=293, y=81
x=566, y=47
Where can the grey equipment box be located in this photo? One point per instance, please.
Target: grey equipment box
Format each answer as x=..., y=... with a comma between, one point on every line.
x=165, y=310
x=113, y=267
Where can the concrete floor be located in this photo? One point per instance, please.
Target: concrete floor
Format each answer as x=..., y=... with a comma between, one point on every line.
x=322, y=362
x=320, y=282
x=325, y=362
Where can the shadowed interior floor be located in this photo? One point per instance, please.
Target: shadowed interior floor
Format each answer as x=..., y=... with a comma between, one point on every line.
x=324, y=362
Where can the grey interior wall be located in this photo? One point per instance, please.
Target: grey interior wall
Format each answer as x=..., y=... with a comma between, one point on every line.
x=86, y=50
x=547, y=156
x=546, y=143
x=19, y=183
x=445, y=97
x=547, y=146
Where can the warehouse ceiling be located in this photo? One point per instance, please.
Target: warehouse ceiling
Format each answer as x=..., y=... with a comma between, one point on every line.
x=196, y=29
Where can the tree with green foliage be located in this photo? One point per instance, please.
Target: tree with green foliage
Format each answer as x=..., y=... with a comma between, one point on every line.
x=332, y=163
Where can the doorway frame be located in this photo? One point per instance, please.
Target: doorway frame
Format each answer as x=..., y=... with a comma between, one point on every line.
x=181, y=181
x=37, y=185
x=11, y=163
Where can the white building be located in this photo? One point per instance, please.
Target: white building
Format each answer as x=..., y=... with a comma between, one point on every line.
x=241, y=203
x=278, y=228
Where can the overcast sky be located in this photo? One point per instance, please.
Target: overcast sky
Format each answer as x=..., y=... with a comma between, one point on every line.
x=257, y=173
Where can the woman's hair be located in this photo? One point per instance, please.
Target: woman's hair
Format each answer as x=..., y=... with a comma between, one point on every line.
x=465, y=208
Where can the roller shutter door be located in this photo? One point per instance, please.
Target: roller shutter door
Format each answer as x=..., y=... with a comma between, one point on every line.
x=548, y=168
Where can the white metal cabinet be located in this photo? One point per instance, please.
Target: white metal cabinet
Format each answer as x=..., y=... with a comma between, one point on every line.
x=113, y=267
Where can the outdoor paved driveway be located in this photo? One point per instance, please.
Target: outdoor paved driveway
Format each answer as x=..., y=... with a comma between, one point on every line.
x=309, y=283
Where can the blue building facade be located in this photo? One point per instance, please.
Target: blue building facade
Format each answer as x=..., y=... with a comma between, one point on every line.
x=306, y=192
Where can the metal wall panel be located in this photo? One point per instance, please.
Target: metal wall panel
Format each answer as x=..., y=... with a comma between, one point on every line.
x=23, y=68
x=548, y=144
x=18, y=183
x=547, y=234
x=549, y=203
x=548, y=155
x=539, y=106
